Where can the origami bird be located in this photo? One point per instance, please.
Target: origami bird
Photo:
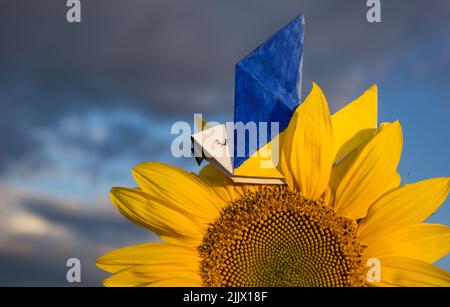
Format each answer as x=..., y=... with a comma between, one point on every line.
x=267, y=93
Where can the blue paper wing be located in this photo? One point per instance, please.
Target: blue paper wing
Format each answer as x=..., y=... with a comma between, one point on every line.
x=268, y=83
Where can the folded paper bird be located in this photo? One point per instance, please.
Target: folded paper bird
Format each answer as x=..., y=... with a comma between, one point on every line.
x=267, y=92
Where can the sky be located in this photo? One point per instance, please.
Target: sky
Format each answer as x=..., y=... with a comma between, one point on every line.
x=81, y=104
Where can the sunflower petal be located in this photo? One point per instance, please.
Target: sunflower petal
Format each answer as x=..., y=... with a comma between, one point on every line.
x=408, y=272
x=424, y=242
x=354, y=124
x=181, y=189
x=147, y=211
x=143, y=275
x=380, y=285
x=147, y=253
x=224, y=187
x=307, y=152
x=340, y=169
x=175, y=282
x=372, y=173
x=409, y=204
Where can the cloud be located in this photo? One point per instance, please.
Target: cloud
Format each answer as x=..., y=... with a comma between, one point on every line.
x=100, y=228
x=38, y=233
x=167, y=56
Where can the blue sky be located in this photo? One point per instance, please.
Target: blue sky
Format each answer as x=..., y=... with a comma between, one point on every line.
x=82, y=104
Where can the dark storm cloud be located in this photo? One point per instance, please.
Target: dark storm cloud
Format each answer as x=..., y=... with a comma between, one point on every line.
x=46, y=265
x=15, y=144
x=92, y=226
x=171, y=55
x=114, y=134
x=73, y=230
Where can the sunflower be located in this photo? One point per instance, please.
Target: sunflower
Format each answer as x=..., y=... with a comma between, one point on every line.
x=341, y=208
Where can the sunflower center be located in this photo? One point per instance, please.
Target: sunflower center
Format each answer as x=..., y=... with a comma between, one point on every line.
x=276, y=237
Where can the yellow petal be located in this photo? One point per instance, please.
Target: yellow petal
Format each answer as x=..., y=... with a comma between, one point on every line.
x=227, y=190
x=176, y=282
x=408, y=272
x=424, y=242
x=380, y=285
x=328, y=196
x=183, y=190
x=354, y=124
x=406, y=205
x=147, y=253
x=143, y=275
x=307, y=151
x=372, y=173
x=147, y=211
x=340, y=169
